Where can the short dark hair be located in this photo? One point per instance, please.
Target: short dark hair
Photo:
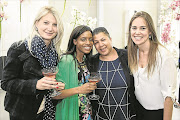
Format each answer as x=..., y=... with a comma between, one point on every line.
x=99, y=30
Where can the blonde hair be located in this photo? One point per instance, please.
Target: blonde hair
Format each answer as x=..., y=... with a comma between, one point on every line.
x=132, y=47
x=60, y=29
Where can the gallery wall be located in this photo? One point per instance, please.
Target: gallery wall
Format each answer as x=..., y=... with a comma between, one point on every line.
x=112, y=14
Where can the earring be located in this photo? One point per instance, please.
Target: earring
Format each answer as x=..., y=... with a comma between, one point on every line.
x=150, y=36
x=36, y=28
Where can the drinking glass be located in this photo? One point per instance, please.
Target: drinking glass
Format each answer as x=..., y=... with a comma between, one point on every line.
x=176, y=105
x=94, y=77
x=51, y=72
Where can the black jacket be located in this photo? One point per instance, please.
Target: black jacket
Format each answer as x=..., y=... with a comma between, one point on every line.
x=20, y=76
x=93, y=67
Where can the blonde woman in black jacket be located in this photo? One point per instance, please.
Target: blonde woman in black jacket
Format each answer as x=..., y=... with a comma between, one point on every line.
x=22, y=79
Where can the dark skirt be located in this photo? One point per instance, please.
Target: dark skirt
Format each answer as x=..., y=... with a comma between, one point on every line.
x=144, y=114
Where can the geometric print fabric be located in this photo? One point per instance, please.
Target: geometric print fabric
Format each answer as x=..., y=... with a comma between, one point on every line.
x=113, y=91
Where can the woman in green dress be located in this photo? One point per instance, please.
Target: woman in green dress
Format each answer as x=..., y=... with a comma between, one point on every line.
x=73, y=72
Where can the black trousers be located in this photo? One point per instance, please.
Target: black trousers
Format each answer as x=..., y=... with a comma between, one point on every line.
x=144, y=114
x=38, y=117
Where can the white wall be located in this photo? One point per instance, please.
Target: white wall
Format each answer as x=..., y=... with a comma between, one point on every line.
x=113, y=16
x=116, y=18
x=14, y=30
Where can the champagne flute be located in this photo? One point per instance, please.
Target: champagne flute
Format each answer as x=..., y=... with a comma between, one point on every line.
x=94, y=77
x=51, y=72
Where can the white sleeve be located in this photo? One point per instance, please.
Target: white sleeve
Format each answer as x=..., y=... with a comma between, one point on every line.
x=168, y=77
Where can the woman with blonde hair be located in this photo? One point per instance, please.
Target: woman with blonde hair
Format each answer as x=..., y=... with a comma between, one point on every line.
x=27, y=91
x=153, y=68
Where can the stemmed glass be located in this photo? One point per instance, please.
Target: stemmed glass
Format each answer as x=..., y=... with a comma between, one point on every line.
x=176, y=104
x=94, y=77
x=51, y=72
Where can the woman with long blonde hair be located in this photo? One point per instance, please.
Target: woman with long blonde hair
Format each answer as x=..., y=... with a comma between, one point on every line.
x=27, y=90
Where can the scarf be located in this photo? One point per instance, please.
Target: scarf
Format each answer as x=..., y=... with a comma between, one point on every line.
x=47, y=57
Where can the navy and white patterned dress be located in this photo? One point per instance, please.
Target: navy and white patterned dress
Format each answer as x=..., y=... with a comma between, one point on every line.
x=113, y=91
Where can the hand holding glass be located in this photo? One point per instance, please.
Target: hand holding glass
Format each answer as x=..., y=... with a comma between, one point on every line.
x=51, y=72
x=95, y=77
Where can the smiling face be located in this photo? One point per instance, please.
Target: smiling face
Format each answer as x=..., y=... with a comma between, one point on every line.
x=139, y=31
x=47, y=27
x=84, y=43
x=103, y=44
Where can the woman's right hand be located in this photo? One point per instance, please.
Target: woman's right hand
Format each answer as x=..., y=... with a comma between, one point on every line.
x=86, y=88
x=46, y=83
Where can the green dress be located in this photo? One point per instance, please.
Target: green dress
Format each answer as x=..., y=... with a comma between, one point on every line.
x=68, y=108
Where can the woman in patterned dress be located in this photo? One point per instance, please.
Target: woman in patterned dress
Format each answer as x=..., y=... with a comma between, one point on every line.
x=74, y=73
x=116, y=89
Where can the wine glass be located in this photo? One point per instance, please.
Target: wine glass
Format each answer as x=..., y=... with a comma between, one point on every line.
x=94, y=77
x=176, y=104
x=51, y=72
